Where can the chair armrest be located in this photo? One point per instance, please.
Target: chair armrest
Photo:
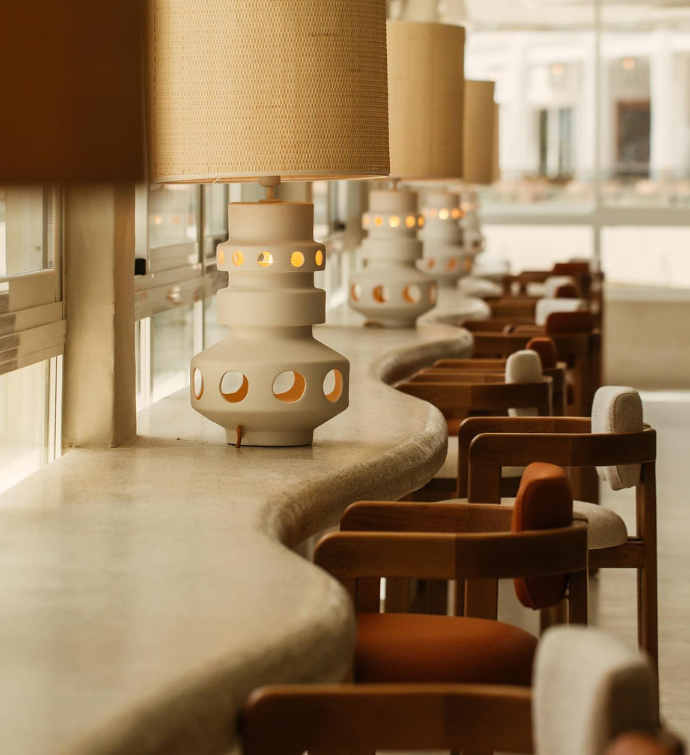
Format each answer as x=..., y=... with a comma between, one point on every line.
x=369, y=717
x=384, y=516
x=537, y=428
x=497, y=555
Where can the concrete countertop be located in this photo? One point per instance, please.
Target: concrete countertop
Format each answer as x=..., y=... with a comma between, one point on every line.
x=148, y=589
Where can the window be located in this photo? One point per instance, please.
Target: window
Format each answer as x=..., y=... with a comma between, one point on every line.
x=32, y=331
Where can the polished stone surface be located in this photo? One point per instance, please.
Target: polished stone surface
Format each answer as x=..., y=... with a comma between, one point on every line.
x=148, y=589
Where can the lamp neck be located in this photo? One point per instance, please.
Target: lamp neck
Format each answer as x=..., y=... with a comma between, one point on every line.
x=269, y=183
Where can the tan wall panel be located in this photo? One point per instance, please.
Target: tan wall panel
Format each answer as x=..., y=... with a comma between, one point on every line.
x=647, y=344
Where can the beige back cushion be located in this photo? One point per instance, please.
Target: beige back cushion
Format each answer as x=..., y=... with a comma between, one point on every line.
x=588, y=688
x=523, y=367
x=618, y=410
x=546, y=307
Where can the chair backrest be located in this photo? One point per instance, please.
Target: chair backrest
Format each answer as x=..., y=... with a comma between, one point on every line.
x=640, y=743
x=575, y=321
x=544, y=501
x=554, y=282
x=546, y=349
x=523, y=366
x=618, y=409
x=549, y=306
x=589, y=688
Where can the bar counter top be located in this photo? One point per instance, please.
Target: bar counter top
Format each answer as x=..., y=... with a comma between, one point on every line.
x=147, y=589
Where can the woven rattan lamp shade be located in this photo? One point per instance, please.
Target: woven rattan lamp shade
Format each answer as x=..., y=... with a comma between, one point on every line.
x=245, y=88
x=426, y=82
x=480, y=135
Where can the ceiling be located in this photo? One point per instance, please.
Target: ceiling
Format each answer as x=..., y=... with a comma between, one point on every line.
x=548, y=14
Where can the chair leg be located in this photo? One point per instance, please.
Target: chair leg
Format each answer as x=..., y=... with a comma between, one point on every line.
x=481, y=599
x=648, y=612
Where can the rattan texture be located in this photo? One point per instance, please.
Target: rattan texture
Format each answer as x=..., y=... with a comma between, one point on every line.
x=480, y=133
x=244, y=88
x=426, y=84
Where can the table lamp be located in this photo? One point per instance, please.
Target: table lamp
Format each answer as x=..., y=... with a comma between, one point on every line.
x=425, y=80
x=478, y=158
x=444, y=254
x=241, y=90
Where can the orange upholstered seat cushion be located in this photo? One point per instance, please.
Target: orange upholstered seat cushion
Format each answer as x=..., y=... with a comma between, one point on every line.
x=412, y=648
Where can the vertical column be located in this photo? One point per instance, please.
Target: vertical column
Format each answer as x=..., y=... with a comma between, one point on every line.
x=100, y=378
x=516, y=146
x=663, y=156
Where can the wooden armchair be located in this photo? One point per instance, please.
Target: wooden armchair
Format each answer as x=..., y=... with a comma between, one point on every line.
x=591, y=694
x=624, y=456
x=581, y=351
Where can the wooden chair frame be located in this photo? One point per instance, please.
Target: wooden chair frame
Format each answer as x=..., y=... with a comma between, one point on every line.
x=580, y=350
x=497, y=366
x=350, y=718
x=485, y=527
x=458, y=400
x=486, y=444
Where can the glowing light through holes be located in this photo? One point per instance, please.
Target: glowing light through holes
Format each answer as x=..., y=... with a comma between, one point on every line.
x=333, y=386
x=380, y=294
x=319, y=258
x=410, y=221
x=265, y=259
x=197, y=383
x=234, y=387
x=394, y=221
x=237, y=259
x=412, y=294
x=297, y=259
x=289, y=386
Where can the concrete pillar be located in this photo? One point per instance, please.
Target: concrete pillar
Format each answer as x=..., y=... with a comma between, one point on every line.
x=99, y=408
x=664, y=157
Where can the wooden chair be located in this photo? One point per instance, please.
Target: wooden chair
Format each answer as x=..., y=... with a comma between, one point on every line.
x=581, y=351
x=551, y=368
x=459, y=400
x=591, y=694
x=624, y=457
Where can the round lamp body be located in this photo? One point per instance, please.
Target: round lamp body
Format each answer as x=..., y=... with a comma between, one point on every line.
x=475, y=242
x=390, y=292
x=270, y=382
x=444, y=255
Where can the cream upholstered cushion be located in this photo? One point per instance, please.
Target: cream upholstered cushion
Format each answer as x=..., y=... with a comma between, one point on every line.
x=449, y=470
x=548, y=306
x=523, y=367
x=618, y=409
x=482, y=288
x=605, y=529
x=554, y=282
x=588, y=688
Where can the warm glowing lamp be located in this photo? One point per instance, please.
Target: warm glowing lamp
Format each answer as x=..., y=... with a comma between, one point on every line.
x=479, y=162
x=243, y=90
x=425, y=78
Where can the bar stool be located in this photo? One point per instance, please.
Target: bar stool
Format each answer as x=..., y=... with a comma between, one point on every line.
x=617, y=444
x=590, y=694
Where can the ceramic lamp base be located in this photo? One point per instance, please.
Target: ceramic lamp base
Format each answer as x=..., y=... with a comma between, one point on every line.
x=270, y=382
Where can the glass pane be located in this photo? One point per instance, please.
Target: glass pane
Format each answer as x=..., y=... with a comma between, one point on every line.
x=23, y=423
x=545, y=88
x=322, y=214
x=537, y=247
x=645, y=112
x=646, y=256
x=216, y=197
x=22, y=238
x=213, y=331
x=172, y=336
x=173, y=214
